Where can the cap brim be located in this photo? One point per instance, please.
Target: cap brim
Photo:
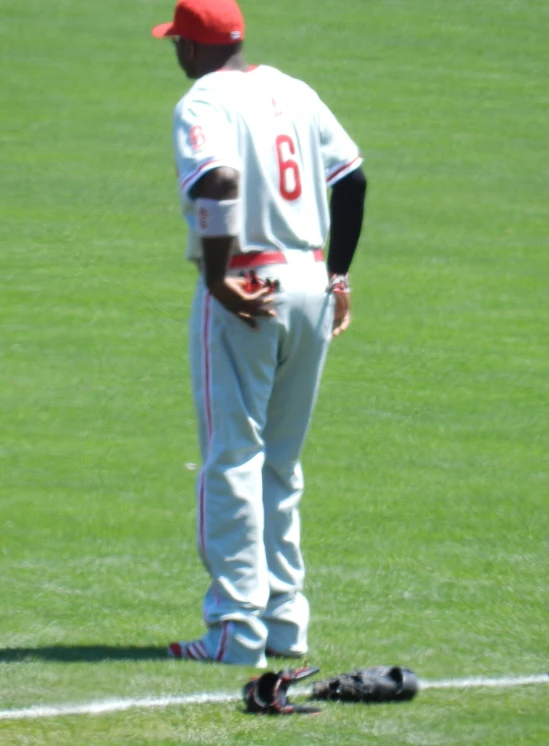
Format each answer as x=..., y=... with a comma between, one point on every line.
x=164, y=29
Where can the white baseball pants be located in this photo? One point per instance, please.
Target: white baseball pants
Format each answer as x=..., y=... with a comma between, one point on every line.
x=254, y=393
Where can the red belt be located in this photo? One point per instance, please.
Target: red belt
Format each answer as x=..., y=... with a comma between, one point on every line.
x=253, y=259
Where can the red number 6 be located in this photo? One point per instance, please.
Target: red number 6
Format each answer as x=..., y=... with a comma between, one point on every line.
x=288, y=169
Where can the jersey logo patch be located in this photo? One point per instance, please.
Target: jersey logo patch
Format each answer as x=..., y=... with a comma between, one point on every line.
x=197, y=138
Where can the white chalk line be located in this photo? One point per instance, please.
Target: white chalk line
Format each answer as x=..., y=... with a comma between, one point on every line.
x=120, y=705
x=116, y=705
x=481, y=682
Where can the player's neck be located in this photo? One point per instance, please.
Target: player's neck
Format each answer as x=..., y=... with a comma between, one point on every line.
x=233, y=61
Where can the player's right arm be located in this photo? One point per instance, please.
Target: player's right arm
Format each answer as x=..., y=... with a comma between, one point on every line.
x=342, y=165
x=346, y=215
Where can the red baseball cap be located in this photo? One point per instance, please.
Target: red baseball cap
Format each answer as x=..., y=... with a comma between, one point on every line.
x=205, y=21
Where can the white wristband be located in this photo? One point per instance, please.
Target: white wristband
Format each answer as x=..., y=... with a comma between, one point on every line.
x=215, y=218
x=339, y=283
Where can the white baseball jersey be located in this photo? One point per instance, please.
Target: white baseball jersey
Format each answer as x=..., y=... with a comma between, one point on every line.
x=255, y=391
x=285, y=143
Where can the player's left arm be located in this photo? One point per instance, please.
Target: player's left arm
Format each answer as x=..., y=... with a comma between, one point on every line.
x=346, y=217
x=218, y=192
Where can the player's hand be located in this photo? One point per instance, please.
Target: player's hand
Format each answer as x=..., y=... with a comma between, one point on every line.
x=342, y=313
x=248, y=306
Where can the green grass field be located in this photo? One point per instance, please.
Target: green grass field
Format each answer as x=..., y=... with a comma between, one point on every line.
x=425, y=520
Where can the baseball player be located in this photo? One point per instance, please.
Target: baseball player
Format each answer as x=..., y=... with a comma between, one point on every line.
x=255, y=152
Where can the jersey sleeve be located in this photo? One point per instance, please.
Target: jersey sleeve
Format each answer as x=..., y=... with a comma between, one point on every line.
x=203, y=139
x=339, y=153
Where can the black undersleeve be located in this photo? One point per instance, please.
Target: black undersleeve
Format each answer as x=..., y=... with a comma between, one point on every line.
x=346, y=214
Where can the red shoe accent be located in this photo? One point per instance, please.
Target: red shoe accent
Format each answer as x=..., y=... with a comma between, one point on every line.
x=174, y=649
x=191, y=651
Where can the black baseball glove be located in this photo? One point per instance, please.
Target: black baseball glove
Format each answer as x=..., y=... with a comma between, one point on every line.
x=267, y=693
x=377, y=684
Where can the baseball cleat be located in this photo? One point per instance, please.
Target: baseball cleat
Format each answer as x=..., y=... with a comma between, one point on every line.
x=190, y=651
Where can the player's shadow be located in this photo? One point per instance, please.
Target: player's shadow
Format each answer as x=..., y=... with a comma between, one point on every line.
x=82, y=654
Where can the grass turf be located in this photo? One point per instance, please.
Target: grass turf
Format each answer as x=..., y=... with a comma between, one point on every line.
x=425, y=518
